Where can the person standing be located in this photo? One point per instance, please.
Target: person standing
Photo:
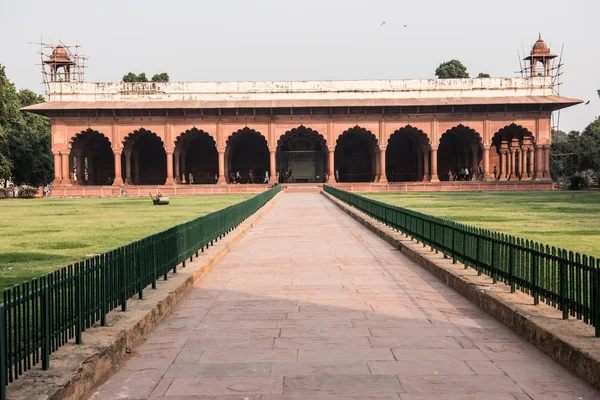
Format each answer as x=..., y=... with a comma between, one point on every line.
x=266, y=177
x=191, y=178
x=495, y=173
x=337, y=175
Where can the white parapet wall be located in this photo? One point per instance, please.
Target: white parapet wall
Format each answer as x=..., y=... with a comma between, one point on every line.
x=300, y=90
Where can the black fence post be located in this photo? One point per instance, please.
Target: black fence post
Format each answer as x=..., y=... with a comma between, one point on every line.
x=596, y=297
x=3, y=347
x=535, y=275
x=562, y=291
x=78, y=300
x=45, y=324
x=511, y=265
x=123, y=268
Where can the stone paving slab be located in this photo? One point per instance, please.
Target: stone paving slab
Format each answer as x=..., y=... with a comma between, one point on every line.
x=312, y=306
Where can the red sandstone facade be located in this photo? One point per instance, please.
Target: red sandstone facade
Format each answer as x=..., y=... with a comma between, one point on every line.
x=109, y=136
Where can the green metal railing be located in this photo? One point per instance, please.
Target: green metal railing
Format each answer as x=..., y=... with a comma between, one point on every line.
x=41, y=315
x=562, y=279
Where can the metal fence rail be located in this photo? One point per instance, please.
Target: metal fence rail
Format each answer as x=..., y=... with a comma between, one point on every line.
x=41, y=315
x=562, y=279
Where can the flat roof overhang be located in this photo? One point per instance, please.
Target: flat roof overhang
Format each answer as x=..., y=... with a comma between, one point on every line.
x=286, y=107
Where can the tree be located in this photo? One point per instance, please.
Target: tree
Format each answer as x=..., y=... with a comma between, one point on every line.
x=162, y=77
x=483, y=75
x=598, y=92
x=25, y=153
x=131, y=77
x=451, y=69
x=589, y=147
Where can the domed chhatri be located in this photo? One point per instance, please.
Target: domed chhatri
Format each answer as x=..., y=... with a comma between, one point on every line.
x=60, y=54
x=60, y=59
x=540, y=53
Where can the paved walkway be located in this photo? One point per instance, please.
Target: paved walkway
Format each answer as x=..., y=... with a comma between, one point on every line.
x=311, y=305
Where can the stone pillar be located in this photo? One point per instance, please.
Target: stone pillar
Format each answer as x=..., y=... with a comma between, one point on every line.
x=331, y=174
x=377, y=166
x=503, y=164
x=66, y=178
x=176, y=171
x=128, y=180
x=420, y=176
x=486, y=164
x=531, y=162
x=382, y=170
x=170, y=180
x=511, y=164
x=57, y=168
x=522, y=162
x=475, y=164
x=221, y=179
x=272, y=165
x=539, y=164
x=118, y=178
x=547, y=162
x=434, y=161
x=426, y=177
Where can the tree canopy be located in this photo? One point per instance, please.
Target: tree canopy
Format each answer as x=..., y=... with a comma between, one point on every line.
x=451, y=69
x=162, y=77
x=131, y=77
x=25, y=140
x=483, y=75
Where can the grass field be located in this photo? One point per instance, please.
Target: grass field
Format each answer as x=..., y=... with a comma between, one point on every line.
x=40, y=235
x=566, y=219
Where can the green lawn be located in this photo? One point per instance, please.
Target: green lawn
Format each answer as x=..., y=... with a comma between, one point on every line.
x=40, y=235
x=566, y=219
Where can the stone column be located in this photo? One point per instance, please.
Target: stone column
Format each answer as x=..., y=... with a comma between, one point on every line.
x=531, y=162
x=128, y=180
x=331, y=174
x=170, y=180
x=486, y=164
x=272, y=165
x=57, y=169
x=377, y=166
x=420, y=177
x=176, y=171
x=522, y=169
x=503, y=164
x=66, y=178
x=382, y=170
x=511, y=165
x=221, y=179
x=475, y=164
x=547, y=162
x=539, y=164
x=434, y=161
x=426, y=177
x=118, y=178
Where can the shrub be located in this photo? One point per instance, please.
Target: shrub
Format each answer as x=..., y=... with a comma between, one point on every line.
x=27, y=192
x=577, y=181
x=4, y=193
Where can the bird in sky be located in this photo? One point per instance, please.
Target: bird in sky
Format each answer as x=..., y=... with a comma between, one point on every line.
x=383, y=23
x=405, y=26
x=587, y=102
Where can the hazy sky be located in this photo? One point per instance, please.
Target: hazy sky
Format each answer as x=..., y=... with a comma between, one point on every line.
x=306, y=40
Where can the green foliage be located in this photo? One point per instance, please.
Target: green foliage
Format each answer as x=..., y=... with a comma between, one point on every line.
x=483, y=75
x=27, y=192
x=25, y=143
x=4, y=193
x=131, y=77
x=452, y=69
x=162, y=77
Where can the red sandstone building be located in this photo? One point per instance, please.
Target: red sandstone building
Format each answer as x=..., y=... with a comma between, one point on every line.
x=383, y=135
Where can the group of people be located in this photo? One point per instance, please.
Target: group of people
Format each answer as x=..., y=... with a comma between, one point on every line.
x=464, y=174
x=236, y=177
x=284, y=176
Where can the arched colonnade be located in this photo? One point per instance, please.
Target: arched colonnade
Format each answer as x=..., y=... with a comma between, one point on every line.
x=354, y=154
